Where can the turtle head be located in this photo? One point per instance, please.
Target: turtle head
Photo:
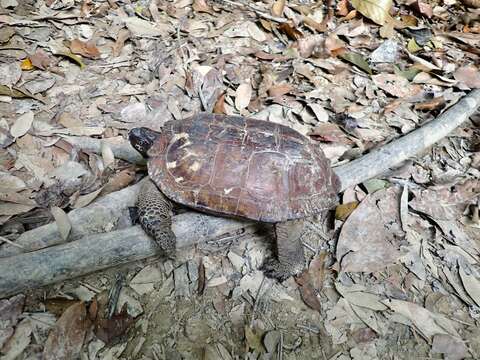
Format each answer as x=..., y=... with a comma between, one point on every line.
x=142, y=139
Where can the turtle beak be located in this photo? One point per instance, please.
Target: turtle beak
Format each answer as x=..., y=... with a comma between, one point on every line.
x=142, y=139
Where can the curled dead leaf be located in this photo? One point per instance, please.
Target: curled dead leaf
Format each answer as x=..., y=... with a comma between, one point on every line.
x=65, y=340
x=86, y=49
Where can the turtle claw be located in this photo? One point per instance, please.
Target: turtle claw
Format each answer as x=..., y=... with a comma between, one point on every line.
x=274, y=269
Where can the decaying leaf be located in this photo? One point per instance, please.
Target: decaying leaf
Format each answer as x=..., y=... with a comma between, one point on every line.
x=307, y=292
x=109, y=330
x=366, y=242
x=469, y=76
x=471, y=285
x=22, y=124
x=445, y=202
x=277, y=7
x=10, y=310
x=394, y=85
x=76, y=59
x=63, y=222
x=452, y=348
x=139, y=27
x=377, y=11
x=66, y=338
x=343, y=211
x=426, y=322
x=84, y=200
x=40, y=59
x=358, y=60
x=243, y=96
x=254, y=339
x=86, y=49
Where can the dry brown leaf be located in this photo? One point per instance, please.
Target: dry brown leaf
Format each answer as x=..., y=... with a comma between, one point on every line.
x=334, y=45
x=22, y=124
x=472, y=3
x=329, y=132
x=10, y=310
x=202, y=6
x=41, y=59
x=445, y=202
x=109, y=330
x=243, y=96
x=63, y=222
x=451, y=347
x=140, y=27
x=469, y=76
x=84, y=200
x=313, y=45
x=219, y=107
x=107, y=155
x=343, y=211
x=367, y=241
x=471, y=285
x=279, y=90
x=377, y=11
x=422, y=7
x=395, y=85
x=277, y=8
x=425, y=321
x=119, y=181
x=342, y=7
x=433, y=104
x=65, y=340
x=307, y=292
x=320, y=27
x=123, y=35
x=86, y=49
x=290, y=31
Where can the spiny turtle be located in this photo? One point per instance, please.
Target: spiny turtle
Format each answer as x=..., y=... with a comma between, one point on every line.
x=239, y=167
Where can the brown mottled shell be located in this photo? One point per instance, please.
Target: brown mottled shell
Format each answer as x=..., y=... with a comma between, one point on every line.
x=242, y=167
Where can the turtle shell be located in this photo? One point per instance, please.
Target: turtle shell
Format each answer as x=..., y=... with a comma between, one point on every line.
x=242, y=167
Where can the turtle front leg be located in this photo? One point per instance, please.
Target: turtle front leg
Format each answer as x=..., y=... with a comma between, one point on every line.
x=289, y=258
x=155, y=216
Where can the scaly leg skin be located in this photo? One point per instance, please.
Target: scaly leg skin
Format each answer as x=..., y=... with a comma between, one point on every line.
x=290, y=259
x=155, y=216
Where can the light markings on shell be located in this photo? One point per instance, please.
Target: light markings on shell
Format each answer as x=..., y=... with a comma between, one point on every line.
x=171, y=164
x=179, y=179
x=228, y=191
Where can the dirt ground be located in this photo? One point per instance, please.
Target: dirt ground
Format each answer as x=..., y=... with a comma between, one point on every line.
x=393, y=271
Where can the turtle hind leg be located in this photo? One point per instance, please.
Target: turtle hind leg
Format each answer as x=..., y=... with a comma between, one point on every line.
x=289, y=259
x=155, y=217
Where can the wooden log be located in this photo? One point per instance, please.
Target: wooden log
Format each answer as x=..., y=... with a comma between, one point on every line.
x=96, y=252
x=394, y=153
x=350, y=174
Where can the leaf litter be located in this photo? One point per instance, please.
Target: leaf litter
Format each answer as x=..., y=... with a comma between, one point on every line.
x=394, y=275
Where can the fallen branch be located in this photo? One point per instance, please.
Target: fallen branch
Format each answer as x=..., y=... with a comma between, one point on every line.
x=100, y=251
x=407, y=146
x=101, y=216
x=121, y=246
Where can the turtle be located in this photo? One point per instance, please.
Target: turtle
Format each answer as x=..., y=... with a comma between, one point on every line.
x=237, y=167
